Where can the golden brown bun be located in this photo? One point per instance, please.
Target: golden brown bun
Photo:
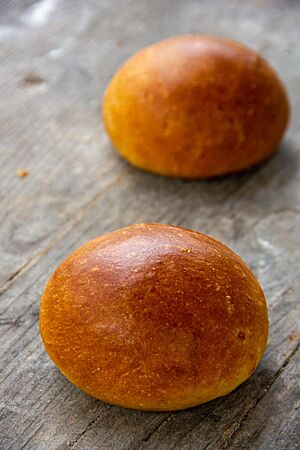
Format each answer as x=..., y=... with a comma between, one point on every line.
x=154, y=317
x=195, y=106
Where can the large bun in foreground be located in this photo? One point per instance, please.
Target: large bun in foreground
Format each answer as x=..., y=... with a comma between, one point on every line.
x=195, y=106
x=154, y=317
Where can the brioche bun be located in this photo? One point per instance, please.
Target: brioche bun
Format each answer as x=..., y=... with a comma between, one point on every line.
x=195, y=106
x=154, y=317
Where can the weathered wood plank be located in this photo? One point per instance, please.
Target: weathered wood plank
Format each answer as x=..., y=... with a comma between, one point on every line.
x=53, y=73
x=21, y=335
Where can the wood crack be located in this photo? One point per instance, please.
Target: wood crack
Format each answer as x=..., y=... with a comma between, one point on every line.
x=31, y=436
x=74, y=441
x=151, y=432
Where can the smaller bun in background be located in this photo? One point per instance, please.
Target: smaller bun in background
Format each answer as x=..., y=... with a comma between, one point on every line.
x=195, y=106
x=154, y=317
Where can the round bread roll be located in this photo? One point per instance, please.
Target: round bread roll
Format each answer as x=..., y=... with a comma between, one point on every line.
x=195, y=106
x=154, y=317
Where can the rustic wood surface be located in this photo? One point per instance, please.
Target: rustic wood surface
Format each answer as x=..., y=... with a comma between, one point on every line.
x=56, y=59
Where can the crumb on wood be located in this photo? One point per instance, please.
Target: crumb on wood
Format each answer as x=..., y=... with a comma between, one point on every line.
x=22, y=173
x=293, y=336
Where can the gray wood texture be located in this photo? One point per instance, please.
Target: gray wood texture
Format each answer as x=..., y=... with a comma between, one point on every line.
x=56, y=59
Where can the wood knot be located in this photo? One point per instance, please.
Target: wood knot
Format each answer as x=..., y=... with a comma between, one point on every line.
x=31, y=80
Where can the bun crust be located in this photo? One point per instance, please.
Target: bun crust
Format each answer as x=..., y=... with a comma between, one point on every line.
x=195, y=106
x=154, y=317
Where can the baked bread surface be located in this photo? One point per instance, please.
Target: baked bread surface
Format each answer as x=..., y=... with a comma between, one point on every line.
x=154, y=317
x=195, y=106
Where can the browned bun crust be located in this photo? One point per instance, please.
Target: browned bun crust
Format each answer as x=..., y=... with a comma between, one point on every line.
x=195, y=106
x=154, y=317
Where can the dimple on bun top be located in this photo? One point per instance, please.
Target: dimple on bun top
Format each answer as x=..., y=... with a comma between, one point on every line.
x=195, y=106
x=154, y=317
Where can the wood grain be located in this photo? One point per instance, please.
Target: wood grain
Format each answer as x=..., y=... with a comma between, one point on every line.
x=56, y=58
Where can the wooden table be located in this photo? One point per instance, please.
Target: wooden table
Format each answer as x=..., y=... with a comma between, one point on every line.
x=56, y=59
